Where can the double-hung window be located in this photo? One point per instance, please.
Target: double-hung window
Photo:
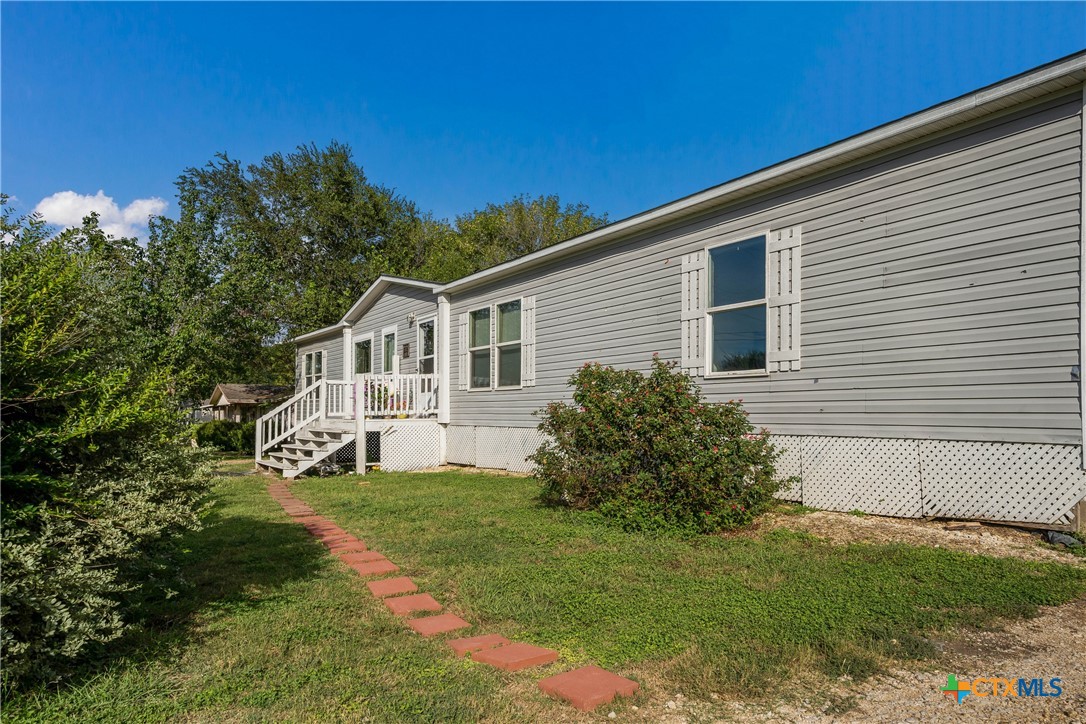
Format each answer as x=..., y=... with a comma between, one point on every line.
x=507, y=346
x=314, y=367
x=363, y=357
x=499, y=343
x=479, y=348
x=736, y=309
x=426, y=347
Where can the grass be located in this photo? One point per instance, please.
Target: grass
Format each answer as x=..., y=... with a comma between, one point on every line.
x=276, y=629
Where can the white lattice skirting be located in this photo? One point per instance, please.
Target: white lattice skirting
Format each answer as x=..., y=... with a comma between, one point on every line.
x=1018, y=482
x=505, y=448
x=1015, y=482
x=410, y=445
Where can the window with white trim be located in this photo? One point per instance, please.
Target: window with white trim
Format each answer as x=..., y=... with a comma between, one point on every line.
x=426, y=347
x=363, y=357
x=479, y=348
x=736, y=311
x=497, y=346
x=314, y=367
x=507, y=345
x=388, y=351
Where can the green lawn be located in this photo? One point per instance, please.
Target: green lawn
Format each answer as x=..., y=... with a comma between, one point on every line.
x=275, y=628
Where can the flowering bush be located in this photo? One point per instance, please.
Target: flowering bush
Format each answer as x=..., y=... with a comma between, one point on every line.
x=649, y=452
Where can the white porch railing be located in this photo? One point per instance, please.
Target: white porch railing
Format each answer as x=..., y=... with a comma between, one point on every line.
x=399, y=395
x=288, y=418
x=383, y=396
x=339, y=399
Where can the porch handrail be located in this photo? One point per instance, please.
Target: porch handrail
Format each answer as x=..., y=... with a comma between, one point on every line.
x=289, y=417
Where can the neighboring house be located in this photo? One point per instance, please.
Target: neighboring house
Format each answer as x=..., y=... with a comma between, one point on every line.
x=902, y=310
x=243, y=403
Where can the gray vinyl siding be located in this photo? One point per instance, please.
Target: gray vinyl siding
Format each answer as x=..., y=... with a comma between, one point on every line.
x=332, y=345
x=392, y=309
x=939, y=298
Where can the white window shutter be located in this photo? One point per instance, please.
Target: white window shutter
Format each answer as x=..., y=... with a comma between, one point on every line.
x=692, y=314
x=462, y=352
x=785, y=263
x=527, y=342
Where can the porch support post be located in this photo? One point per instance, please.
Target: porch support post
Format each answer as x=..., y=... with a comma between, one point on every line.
x=348, y=362
x=444, y=364
x=259, y=442
x=359, y=426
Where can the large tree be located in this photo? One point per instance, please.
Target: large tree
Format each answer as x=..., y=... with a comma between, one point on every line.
x=321, y=229
x=500, y=232
x=264, y=252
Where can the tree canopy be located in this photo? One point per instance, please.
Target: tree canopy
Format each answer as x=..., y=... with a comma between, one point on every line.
x=264, y=252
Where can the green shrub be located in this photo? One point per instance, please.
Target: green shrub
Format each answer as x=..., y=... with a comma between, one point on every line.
x=227, y=435
x=649, y=452
x=98, y=480
x=78, y=572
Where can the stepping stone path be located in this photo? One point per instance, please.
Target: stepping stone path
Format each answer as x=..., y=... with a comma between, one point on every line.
x=392, y=586
x=434, y=625
x=463, y=647
x=407, y=605
x=588, y=687
x=517, y=656
x=584, y=688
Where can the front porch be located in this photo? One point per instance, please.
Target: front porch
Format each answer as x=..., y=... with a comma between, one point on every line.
x=392, y=417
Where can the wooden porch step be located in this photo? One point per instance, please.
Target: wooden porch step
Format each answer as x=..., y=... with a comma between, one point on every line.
x=328, y=431
x=287, y=455
x=278, y=465
x=310, y=438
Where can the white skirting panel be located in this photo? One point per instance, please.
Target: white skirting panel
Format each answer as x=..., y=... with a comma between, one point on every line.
x=460, y=444
x=788, y=466
x=410, y=445
x=504, y=448
x=1028, y=483
x=1014, y=482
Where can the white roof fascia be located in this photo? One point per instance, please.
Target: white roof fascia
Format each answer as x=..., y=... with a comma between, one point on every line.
x=375, y=290
x=317, y=333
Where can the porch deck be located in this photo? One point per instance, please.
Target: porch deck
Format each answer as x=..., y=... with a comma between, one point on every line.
x=328, y=415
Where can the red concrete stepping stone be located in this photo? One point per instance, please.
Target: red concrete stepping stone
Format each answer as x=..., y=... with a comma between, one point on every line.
x=392, y=586
x=375, y=568
x=309, y=520
x=335, y=537
x=351, y=546
x=407, y=605
x=303, y=513
x=463, y=647
x=350, y=540
x=588, y=687
x=434, y=625
x=515, y=657
x=361, y=557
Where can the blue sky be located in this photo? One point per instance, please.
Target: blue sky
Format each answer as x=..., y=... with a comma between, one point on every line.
x=621, y=106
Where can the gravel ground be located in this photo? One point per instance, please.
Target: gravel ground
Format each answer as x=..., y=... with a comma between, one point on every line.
x=990, y=540
x=1051, y=645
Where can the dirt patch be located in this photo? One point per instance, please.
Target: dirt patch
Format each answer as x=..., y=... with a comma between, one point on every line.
x=1051, y=645
x=991, y=540
x=474, y=470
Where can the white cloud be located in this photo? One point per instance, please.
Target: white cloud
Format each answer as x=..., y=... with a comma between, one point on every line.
x=67, y=208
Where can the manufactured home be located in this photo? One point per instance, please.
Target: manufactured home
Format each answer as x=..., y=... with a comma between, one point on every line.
x=901, y=309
